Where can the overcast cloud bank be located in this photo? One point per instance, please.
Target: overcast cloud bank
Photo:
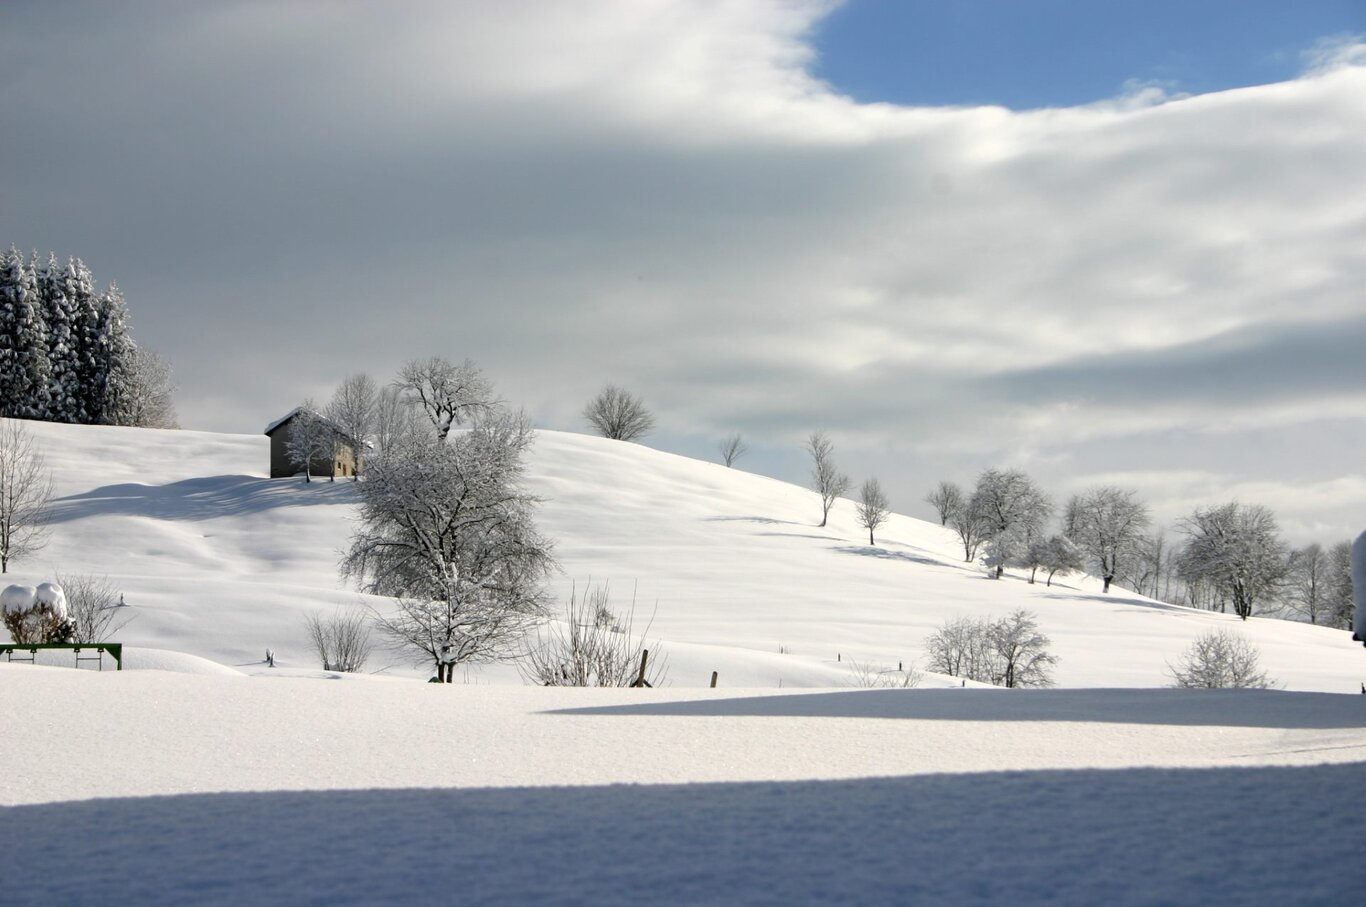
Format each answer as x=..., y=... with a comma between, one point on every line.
x=662, y=196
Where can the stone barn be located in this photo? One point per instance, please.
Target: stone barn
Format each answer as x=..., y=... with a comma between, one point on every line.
x=346, y=450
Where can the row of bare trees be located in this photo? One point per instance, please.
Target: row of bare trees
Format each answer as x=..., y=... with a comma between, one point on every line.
x=1231, y=556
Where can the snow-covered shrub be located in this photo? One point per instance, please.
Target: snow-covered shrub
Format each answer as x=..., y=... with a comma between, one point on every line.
x=36, y=615
x=584, y=651
x=341, y=642
x=1220, y=659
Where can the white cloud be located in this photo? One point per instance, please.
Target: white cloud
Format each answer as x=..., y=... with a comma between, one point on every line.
x=660, y=194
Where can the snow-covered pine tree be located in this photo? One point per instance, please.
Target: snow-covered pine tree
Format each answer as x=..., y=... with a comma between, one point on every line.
x=116, y=368
x=64, y=392
x=91, y=355
x=23, y=342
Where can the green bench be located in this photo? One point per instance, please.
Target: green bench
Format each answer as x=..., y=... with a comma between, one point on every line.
x=115, y=650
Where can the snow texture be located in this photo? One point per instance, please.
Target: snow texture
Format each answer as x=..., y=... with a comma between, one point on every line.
x=15, y=598
x=173, y=789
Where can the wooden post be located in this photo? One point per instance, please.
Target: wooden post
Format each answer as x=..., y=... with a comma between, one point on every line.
x=713, y=680
x=640, y=680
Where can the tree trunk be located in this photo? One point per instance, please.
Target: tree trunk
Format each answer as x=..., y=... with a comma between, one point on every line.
x=870, y=536
x=1107, y=579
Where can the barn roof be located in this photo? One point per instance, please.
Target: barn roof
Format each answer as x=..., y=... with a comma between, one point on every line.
x=321, y=418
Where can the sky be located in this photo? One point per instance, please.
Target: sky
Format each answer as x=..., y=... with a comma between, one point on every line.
x=1103, y=246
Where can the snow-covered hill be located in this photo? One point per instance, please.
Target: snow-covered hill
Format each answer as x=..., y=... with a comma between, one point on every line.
x=185, y=781
x=218, y=561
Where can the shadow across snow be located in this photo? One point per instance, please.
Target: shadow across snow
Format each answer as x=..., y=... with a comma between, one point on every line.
x=888, y=554
x=201, y=498
x=1212, y=708
x=1273, y=836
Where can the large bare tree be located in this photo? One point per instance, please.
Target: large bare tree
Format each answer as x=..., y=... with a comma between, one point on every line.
x=1108, y=523
x=448, y=393
x=1012, y=511
x=447, y=532
x=826, y=480
x=1237, y=549
x=619, y=414
x=25, y=493
x=352, y=409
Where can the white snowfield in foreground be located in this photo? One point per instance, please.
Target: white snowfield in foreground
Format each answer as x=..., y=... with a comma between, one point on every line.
x=219, y=562
x=248, y=790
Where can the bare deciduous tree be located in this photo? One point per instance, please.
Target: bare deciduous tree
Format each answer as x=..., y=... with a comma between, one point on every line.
x=447, y=531
x=1060, y=556
x=25, y=492
x=1307, y=582
x=312, y=438
x=618, y=414
x=592, y=647
x=1341, y=588
x=342, y=641
x=395, y=418
x=1108, y=523
x=826, y=480
x=447, y=393
x=946, y=499
x=1237, y=548
x=971, y=528
x=873, y=507
x=960, y=648
x=148, y=397
x=732, y=448
x=353, y=410
x=1220, y=659
x=1021, y=652
x=1012, y=509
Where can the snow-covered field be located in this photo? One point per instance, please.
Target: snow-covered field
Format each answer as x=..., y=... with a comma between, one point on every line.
x=205, y=777
x=217, y=561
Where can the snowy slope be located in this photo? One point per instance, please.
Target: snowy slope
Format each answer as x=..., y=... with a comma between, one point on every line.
x=218, y=561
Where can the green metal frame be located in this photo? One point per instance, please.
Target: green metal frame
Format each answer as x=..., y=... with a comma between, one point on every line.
x=115, y=649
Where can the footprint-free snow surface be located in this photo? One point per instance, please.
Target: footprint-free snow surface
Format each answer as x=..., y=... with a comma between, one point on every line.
x=201, y=776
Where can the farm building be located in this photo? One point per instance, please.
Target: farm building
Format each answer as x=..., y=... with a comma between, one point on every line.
x=338, y=455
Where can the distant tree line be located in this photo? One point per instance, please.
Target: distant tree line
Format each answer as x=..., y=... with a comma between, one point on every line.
x=67, y=353
x=1229, y=557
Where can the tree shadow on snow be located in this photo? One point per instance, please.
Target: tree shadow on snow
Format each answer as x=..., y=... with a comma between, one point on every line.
x=1212, y=708
x=1270, y=836
x=202, y=498
x=887, y=554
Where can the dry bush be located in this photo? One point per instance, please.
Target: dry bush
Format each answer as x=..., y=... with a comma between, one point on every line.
x=342, y=641
x=593, y=647
x=95, y=607
x=869, y=677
